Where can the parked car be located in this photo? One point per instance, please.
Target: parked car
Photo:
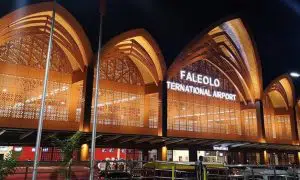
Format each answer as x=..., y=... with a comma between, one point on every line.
x=263, y=173
x=114, y=175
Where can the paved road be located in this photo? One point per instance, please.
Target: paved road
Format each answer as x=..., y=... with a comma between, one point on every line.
x=49, y=173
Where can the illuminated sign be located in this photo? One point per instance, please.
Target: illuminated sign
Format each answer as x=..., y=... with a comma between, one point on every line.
x=220, y=148
x=18, y=149
x=200, y=79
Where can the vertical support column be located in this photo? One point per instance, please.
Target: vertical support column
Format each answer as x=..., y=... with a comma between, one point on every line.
x=240, y=159
x=294, y=127
x=146, y=110
x=296, y=157
x=260, y=120
x=193, y=154
x=87, y=93
x=265, y=157
x=296, y=110
x=162, y=153
x=262, y=158
x=232, y=156
x=145, y=155
x=118, y=153
x=84, y=152
x=245, y=159
x=163, y=110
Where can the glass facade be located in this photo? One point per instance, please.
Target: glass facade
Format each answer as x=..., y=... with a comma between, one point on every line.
x=205, y=114
x=122, y=99
x=22, y=62
x=120, y=108
x=21, y=98
x=213, y=156
x=153, y=110
x=277, y=126
x=280, y=158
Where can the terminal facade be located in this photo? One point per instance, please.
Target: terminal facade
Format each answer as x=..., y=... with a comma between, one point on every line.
x=210, y=101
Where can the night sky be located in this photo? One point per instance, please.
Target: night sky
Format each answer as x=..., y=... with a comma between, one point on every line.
x=273, y=24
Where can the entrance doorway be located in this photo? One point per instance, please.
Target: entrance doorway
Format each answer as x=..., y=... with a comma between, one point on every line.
x=213, y=156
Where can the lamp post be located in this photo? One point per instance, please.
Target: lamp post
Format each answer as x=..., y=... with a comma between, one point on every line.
x=42, y=110
x=94, y=129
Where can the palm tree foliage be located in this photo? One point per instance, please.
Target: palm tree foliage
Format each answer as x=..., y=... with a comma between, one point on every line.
x=8, y=164
x=67, y=146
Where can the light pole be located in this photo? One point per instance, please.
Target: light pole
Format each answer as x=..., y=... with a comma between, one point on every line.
x=42, y=110
x=94, y=129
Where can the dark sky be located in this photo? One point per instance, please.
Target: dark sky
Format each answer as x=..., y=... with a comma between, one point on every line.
x=274, y=24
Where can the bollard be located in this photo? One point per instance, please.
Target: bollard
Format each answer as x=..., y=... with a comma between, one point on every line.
x=294, y=171
x=252, y=172
x=154, y=172
x=204, y=173
x=275, y=173
x=227, y=173
x=173, y=172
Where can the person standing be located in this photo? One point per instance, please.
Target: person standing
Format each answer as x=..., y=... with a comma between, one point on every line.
x=199, y=168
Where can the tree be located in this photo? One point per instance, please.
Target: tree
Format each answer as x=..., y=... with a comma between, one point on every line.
x=8, y=164
x=68, y=147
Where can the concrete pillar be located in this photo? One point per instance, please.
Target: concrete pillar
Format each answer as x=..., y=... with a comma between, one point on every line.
x=162, y=153
x=262, y=158
x=84, y=152
x=245, y=160
x=265, y=157
x=240, y=159
x=163, y=111
x=297, y=113
x=229, y=157
x=260, y=120
x=87, y=93
x=297, y=158
x=118, y=153
x=294, y=127
x=145, y=155
x=193, y=154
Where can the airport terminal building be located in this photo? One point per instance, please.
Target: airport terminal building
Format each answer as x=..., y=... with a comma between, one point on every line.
x=210, y=101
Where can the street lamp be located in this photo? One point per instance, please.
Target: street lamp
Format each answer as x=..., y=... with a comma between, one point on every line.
x=294, y=74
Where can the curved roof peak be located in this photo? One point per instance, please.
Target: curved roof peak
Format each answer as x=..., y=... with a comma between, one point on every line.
x=142, y=49
x=228, y=47
x=281, y=92
x=36, y=19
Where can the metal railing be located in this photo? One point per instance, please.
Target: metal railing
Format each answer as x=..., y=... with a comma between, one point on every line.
x=129, y=169
x=137, y=170
x=256, y=172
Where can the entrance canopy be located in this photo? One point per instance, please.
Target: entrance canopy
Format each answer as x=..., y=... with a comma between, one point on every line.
x=26, y=137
